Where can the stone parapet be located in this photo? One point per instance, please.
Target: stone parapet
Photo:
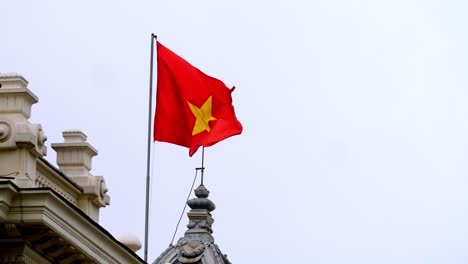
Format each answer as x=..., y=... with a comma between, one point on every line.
x=49, y=214
x=22, y=148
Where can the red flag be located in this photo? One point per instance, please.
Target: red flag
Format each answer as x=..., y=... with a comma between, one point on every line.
x=192, y=108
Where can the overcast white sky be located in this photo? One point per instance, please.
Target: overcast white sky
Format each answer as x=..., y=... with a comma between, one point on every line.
x=355, y=142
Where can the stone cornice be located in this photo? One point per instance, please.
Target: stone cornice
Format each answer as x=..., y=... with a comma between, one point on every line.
x=45, y=207
x=43, y=163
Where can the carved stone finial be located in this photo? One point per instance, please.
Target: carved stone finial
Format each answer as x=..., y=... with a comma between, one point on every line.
x=130, y=240
x=12, y=80
x=74, y=136
x=74, y=157
x=200, y=219
x=15, y=98
x=202, y=201
x=197, y=245
x=202, y=192
x=24, y=141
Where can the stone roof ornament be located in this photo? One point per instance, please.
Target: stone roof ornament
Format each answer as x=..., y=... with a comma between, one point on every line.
x=74, y=158
x=46, y=214
x=197, y=245
x=75, y=154
x=22, y=148
x=130, y=240
x=200, y=219
x=17, y=133
x=11, y=79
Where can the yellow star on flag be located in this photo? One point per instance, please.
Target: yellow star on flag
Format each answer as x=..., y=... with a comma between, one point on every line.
x=202, y=115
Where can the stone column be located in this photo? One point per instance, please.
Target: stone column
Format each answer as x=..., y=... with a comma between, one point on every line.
x=74, y=158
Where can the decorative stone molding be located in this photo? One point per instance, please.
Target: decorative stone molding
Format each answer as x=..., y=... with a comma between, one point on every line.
x=74, y=158
x=40, y=224
x=74, y=155
x=45, y=182
x=5, y=131
x=10, y=79
x=197, y=245
x=21, y=142
x=7, y=134
x=15, y=97
x=200, y=219
x=47, y=213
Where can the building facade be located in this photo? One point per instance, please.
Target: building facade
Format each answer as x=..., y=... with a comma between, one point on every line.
x=49, y=214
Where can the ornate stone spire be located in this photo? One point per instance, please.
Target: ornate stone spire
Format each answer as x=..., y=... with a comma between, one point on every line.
x=197, y=245
x=200, y=219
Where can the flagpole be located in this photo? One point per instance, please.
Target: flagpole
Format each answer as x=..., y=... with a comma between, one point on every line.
x=202, y=163
x=148, y=162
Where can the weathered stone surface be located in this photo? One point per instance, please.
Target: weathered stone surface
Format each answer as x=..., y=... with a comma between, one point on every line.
x=49, y=214
x=197, y=245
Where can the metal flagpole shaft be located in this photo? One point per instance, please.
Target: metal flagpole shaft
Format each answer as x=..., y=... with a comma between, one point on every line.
x=148, y=162
x=202, y=164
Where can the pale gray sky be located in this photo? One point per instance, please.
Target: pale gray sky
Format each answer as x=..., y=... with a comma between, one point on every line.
x=355, y=142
